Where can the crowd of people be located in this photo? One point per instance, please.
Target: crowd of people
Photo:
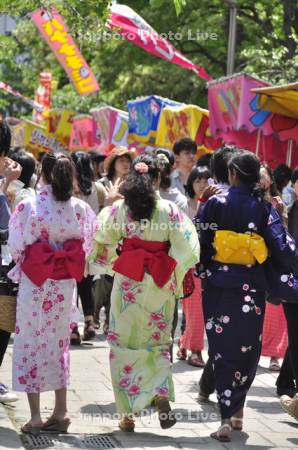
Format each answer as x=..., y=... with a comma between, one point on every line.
x=139, y=236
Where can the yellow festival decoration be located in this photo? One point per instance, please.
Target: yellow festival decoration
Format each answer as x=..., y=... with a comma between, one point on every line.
x=279, y=99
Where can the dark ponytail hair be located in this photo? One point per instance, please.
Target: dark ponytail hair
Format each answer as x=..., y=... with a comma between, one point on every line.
x=247, y=167
x=138, y=188
x=84, y=171
x=58, y=171
x=47, y=165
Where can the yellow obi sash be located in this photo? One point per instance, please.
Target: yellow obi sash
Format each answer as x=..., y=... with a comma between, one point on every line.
x=239, y=248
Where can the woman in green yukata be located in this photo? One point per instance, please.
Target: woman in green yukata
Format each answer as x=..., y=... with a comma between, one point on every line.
x=159, y=244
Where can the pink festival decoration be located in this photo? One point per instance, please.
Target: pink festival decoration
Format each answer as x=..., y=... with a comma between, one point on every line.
x=55, y=32
x=135, y=29
x=236, y=117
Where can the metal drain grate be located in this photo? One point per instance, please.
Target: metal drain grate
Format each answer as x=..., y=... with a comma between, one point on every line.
x=101, y=441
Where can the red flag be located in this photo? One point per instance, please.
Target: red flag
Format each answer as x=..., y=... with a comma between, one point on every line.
x=134, y=28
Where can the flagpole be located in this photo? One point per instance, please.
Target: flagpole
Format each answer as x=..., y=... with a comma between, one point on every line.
x=289, y=152
x=232, y=35
x=258, y=141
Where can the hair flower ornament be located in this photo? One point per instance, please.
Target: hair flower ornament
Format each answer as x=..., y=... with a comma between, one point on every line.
x=141, y=167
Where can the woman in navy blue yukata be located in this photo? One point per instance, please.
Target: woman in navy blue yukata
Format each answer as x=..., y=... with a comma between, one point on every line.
x=248, y=229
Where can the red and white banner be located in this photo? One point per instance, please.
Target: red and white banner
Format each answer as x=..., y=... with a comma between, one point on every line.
x=135, y=29
x=6, y=87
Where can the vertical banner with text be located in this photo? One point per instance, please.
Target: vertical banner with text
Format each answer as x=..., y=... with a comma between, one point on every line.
x=55, y=32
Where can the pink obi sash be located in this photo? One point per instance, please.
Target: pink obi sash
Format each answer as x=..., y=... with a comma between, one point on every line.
x=140, y=256
x=42, y=262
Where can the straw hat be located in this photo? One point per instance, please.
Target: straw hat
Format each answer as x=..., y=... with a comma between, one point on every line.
x=116, y=153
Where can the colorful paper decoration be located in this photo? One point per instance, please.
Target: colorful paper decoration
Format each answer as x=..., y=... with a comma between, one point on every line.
x=83, y=133
x=144, y=116
x=59, y=124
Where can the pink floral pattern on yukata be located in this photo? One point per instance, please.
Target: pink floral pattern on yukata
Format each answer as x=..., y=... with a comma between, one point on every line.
x=46, y=314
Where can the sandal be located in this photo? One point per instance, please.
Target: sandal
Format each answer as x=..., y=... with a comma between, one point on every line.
x=165, y=414
x=274, y=365
x=89, y=332
x=127, y=425
x=56, y=426
x=75, y=338
x=196, y=360
x=223, y=434
x=30, y=429
x=290, y=405
x=181, y=353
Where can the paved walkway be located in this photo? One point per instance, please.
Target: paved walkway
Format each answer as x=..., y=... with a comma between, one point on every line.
x=91, y=404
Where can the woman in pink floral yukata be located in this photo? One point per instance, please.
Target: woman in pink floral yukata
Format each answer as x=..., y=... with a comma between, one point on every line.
x=49, y=238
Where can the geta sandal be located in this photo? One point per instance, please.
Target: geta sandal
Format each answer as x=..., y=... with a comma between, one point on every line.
x=127, y=425
x=223, y=434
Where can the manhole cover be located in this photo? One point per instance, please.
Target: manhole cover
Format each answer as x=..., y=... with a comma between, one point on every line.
x=45, y=441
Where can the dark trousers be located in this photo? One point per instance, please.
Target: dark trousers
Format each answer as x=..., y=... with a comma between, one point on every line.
x=4, y=338
x=102, y=295
x=288, y=376
x=86, y=295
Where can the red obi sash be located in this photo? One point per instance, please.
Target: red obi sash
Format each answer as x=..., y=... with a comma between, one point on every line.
x=139, y=256
x=42, y=262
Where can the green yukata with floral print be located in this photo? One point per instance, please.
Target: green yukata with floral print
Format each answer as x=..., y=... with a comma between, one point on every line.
x=141, y=314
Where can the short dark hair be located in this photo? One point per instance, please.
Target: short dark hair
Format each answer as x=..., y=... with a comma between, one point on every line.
x=294, y=175
x=96, y=157
x=282, y=175
x=5, y=138
x=184, y=144
x=219, y=163
x=196, y=174
x=28, y=164
x=204, y=160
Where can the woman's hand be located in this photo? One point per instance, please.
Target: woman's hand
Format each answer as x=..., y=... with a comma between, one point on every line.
x=278, y=204
x=210, y=190
x=113, y=192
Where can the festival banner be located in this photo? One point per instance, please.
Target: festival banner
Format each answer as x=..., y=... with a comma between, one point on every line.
x=60, y=124
x=234, y=108
x=144, y=116
x=7, y=88
x=83, y=133
x=178, y=122
x=43, y=96
x=55, y=32
x=136, y=30
x=110, y=122
x=35, y=138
